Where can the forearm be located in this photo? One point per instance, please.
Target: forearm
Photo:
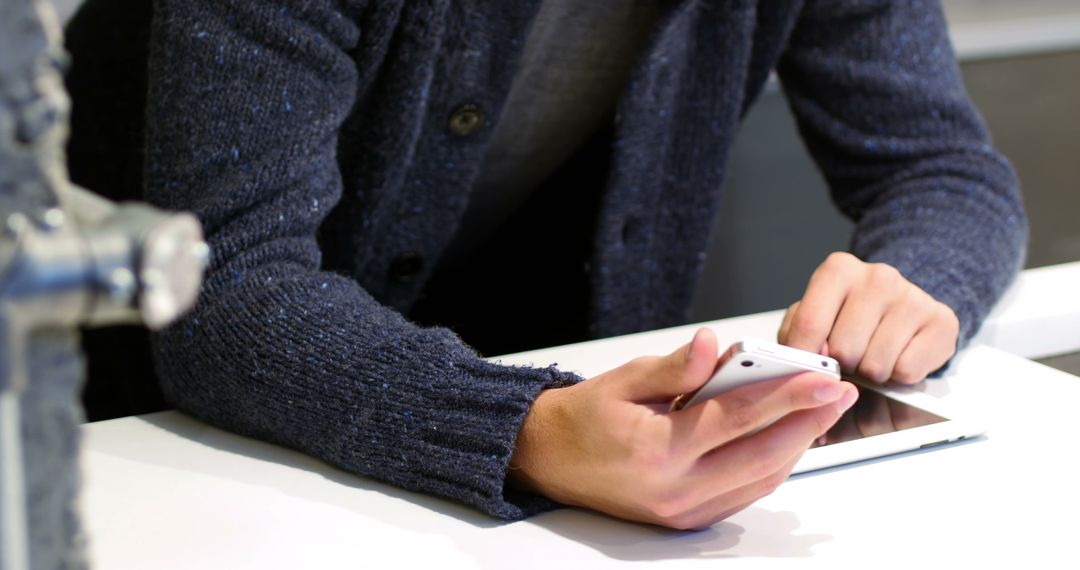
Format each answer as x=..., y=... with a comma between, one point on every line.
x=883, y=109
x=958, y=232
x=246, y=100
x=320, y=367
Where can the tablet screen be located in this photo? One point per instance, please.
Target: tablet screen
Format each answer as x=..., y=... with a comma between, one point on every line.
x=874, y=414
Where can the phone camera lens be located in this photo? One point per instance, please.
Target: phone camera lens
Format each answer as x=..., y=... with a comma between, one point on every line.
x=825, y=363
x=747, y=363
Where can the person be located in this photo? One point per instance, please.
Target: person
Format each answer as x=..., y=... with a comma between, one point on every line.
x=393, y=189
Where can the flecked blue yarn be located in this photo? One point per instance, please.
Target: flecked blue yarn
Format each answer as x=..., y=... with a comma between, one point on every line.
x=264, y=117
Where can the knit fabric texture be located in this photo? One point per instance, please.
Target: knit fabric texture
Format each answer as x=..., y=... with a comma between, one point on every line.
x=312, y=140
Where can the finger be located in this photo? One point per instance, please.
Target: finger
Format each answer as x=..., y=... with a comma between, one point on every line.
x=785, y=329
x=662, y=379
x=825, y=294
x=727, y=504
x=703, y=427
x=746, y=471
x=899, y=325
x=854, y=327
x=785, y=325
x=699, y=361
x=749, y=459
x=929, y=350
x=749, y=469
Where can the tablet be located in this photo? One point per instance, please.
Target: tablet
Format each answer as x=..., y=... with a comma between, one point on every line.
x=884, y=421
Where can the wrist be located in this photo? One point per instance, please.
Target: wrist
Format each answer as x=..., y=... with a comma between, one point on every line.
x=531, y=460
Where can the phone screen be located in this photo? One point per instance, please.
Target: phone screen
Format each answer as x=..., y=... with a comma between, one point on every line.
x=874, y=414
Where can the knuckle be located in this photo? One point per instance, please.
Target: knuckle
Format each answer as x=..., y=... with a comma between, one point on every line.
x=740, y=414
x=830, y=268
x=839, y=259
x=769, y=464
x=947, y=318
x=845, y=354
x=908, y=377
x=773, y=481
x=882, y=276
x=803, y=326
x=908, y=372
x=917, y=297
x=651, y=461
x=873, y=370
x=886, y=271
x=916, y=305
x=669, y=509
x=682, y=522
x=916, y=292
x=651, y=453
x=766, y=473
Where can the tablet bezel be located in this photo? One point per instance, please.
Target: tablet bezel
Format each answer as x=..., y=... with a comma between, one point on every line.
x=958, y=425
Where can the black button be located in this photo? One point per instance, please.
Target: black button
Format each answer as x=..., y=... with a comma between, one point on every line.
x=465, y=120
x=406, y=266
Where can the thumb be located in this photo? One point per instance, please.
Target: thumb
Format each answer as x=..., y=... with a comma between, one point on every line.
x=680, y=372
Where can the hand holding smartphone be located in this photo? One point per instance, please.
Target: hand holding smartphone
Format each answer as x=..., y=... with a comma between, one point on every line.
x=751, y=360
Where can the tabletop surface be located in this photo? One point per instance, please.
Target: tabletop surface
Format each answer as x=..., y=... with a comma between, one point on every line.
x=167, y=491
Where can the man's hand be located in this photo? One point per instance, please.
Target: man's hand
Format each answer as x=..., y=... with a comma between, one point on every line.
x=612, y=443
x=872, y=320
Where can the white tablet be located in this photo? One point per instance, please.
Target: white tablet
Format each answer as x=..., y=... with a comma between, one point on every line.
x=884, y=421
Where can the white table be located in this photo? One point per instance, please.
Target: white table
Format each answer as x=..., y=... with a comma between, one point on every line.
x=165, y=491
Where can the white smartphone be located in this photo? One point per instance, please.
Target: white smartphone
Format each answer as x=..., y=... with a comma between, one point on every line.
x=751, y=360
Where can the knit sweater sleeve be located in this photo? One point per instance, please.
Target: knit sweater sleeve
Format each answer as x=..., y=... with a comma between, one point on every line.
x=880, y=102
x=245, y=100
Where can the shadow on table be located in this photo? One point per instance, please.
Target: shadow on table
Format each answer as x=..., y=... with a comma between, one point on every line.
x=774, y=536
x=774, y=532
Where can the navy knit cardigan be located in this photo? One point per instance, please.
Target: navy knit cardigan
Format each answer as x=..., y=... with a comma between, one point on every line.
x=298, y=129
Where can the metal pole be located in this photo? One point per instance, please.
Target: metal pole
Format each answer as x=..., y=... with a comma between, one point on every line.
x=13, y=552
x=67, y=259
